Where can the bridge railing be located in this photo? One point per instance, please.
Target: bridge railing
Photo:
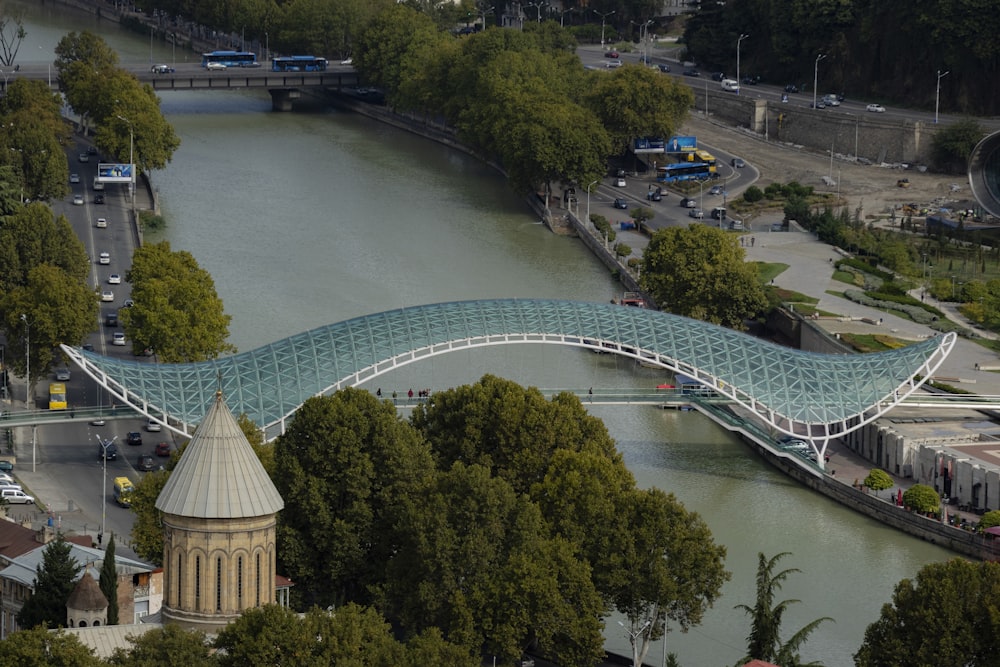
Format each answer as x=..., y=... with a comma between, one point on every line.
x=10, y=419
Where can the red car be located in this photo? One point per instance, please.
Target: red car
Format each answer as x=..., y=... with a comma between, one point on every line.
x=163, y=449
x=611, y=54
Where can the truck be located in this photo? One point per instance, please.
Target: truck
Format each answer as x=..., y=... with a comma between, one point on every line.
x=123, y=490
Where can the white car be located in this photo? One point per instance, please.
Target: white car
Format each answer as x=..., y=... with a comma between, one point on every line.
x=620, y=182
x=215, y=66
x=347, y=61
x=118, y=338
x=696, y=213
x=613, y=64
x=876, y=108
x=77, y=200
x=102, y=223
x=115, y=279
x=153, y=426
x=74, y=178
x=107, y=295
x=104, y=258
x=831, y=101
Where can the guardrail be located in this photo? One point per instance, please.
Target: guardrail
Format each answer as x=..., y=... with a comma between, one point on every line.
x=10, y=419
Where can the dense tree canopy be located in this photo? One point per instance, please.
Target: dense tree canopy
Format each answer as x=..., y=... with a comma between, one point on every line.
x=948, y=616
x=169, y=646
x=38, y=647
x=699, y=272
x=177, y=312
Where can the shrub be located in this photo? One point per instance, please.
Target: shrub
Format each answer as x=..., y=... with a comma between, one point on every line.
x=878, y=480
x=921, y=498
x=752, y=194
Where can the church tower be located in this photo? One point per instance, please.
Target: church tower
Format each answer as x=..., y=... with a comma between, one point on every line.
x=219, y=512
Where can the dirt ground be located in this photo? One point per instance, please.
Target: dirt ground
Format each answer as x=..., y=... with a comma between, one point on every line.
x=872, y=188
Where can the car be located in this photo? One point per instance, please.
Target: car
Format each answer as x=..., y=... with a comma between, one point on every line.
x=83, y=157
x=74, y=178
x=6, y=466
x=162, y=69
x=655, y=195
x=91, y=150
x=77, y=200
x=687, y=202
x=777, y=226
x=162, y=449
x=664, y=68
x=128, y=303
x=715, y=190
x=347, y=61
x=118, y=338
x=102, y=223
x=16, y=497
x=612, y=54
x=108, y=453
x=107, y=295
x=153, y=426
x=738, y=163
x=98, y=199
x=831, y=101
x=691, y=72
x=817, y=105
x=62, y=374
x=133, y=438
x=7, y=480
x=620, y=203
x=104, y=258
x=613, y=64
x=696, y=213
x=718, y=76
x=875, y=108
x=145, y=463
x=620, y=182
x=215, y=66
x=115, y=279
x=791, y=88
x=111, y=320
x=88, y=347
x=97, y=422
x=750, y=80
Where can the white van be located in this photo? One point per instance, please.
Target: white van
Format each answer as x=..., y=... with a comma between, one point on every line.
x=16, y=497
x=98, y=185
x=731, y=85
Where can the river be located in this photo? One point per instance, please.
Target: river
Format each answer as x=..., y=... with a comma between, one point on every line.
x=316, y=216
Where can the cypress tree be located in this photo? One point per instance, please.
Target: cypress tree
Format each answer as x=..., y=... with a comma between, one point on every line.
x=109, y=581
x=54, y=582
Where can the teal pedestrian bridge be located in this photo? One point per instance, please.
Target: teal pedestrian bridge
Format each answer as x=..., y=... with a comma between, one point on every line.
x=819, y=396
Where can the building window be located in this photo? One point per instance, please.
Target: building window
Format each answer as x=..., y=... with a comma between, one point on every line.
x=239, y=582
x=197, y=582
x=83, y=624
x=257, y=578
x=218, y=584
x=180, y=560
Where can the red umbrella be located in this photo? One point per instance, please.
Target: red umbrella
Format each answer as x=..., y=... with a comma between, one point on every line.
x=899, y=498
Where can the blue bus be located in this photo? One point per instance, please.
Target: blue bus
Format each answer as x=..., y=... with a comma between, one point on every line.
x=298, y=64
x=685, y=171
x=230, y=58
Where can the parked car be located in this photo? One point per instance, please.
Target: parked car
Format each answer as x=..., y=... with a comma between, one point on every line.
x=62, y=374
x=620, y=203
x=612, y=54
x=16, y=497
x=133, y=438
x=6, y=466
x=145, y=463
x=875, y=108
x=162, y=449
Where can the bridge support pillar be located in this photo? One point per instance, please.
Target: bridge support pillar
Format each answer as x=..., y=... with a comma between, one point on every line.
x=282, y=98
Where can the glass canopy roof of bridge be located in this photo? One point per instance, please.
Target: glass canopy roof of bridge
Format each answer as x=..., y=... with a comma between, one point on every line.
x=270, y=382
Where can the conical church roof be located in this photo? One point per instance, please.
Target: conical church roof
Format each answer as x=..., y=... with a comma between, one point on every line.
x=218, y=475
x=87, y=595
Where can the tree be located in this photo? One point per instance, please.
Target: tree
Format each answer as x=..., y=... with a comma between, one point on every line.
x=341, y=467
x=764, y=641
x=54, y=582
x=989, y=520
x=666, y=568
x=951, y=146
x=699, y=272
x=12, y=33
x=38, y=647
x=878, y=480
x=147, y=529
x=177, y=311
x=642, y=215
x=752, y=194
x=921, y=498
x=948, y=615
x=165, y=647
x=109, y=581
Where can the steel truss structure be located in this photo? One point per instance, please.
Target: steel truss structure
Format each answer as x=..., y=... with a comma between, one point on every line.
x=815, y=396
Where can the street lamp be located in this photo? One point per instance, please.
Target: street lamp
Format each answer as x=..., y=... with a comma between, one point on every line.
x=816, y=77
x=49, y=65
x=27, y=361
x=131, y=144
x=104, y=486
x=538, y=6
x=937, y=93
x=642, y=38
x=604, y=17
x=633, y=636
x=588, y=201
x=739, y=82
x=562, y=16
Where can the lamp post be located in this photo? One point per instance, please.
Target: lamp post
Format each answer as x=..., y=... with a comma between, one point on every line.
x=816, y=77
x=131, y=144
x=633, y=636
x=937, y=93
x=562, y=17
x=588, y=200
x=739, y=82
x=27, y=361
x=49, y=66
x=104, y=486
x=150, y=45
x=953, y=287
x=604, y=18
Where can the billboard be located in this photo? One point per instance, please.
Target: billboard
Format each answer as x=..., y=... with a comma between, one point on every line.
x=648, y=145
x=114, y=173
x=682, y=144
